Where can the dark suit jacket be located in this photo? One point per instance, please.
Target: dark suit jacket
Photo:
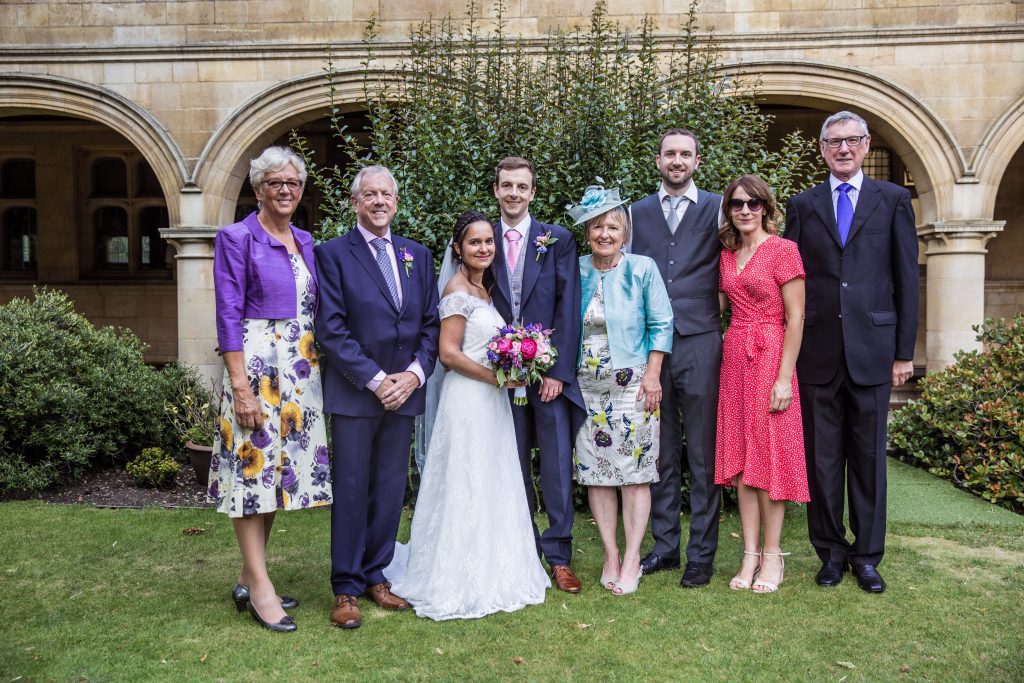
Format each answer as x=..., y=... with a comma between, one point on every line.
x=361, y=332
x=550, y=296
x=687, y=260
x=862, y=299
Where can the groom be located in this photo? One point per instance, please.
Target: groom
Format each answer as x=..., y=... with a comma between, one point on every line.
x=538, y=281
x=378, y=326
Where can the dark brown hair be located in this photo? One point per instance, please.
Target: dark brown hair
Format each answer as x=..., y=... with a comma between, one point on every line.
x=680, y=131
x=757, y=189
x=513, y=163
x=462, y=223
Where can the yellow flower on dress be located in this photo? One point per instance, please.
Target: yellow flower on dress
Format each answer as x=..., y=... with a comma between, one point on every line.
x=291, y=419
x=252, y=460
x=270, y=390
x=307, y=347
x=227, y=436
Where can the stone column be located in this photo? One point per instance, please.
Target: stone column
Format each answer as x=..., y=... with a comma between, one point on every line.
x=955, y=284
x=197, y=331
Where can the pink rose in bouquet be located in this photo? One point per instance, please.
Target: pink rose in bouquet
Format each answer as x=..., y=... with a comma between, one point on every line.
x=521, y=353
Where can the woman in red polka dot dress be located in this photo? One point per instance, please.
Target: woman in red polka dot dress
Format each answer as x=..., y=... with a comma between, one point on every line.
x=760, y=446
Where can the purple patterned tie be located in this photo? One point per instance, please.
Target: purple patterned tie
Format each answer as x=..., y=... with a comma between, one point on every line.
x=844, y=212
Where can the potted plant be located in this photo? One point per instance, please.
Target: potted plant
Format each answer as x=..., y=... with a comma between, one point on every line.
x=192, y=414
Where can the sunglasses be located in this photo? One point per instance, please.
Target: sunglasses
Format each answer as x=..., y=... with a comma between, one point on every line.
x=754, y=204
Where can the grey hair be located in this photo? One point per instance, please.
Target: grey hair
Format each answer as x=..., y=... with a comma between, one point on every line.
x=841, y=117
x=272, y=160
x=621, y=214
x=372, y=170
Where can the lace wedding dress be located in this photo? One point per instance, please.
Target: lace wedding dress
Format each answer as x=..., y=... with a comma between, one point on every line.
x=472, y=550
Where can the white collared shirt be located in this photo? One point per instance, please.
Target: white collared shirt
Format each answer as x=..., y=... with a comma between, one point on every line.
x=854, y=194
x=522, y=227
x=369, y=237
x=690, y=195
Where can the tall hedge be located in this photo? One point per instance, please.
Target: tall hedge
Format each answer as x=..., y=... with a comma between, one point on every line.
x=73, y=396
x=968, y=425
x=588, y=103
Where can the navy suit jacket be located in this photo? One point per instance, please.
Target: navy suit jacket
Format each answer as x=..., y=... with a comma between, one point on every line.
x=550, y=296
x=361, y=332
x=862, y=299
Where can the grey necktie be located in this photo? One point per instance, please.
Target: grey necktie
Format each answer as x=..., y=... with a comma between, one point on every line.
x=673, y=212
x=384, y=263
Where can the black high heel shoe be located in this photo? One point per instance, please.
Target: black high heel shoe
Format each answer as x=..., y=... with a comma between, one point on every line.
x=286, y=625
x=240, y=594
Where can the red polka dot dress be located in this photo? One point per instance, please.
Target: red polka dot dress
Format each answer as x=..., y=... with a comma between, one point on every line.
x=765, y=448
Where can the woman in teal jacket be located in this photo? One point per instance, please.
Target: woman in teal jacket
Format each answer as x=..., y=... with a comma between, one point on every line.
x=627, y=330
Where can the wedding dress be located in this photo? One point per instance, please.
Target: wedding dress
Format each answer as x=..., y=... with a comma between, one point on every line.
x=472, y=551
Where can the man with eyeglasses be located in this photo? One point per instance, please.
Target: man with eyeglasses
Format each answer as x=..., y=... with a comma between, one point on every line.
x=678, y=227
x=858, y=242
x=378, y=326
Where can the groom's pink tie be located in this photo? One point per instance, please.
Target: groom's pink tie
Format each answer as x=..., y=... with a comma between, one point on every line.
x=513, y=237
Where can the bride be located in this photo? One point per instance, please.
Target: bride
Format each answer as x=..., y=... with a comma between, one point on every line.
x=472, y=551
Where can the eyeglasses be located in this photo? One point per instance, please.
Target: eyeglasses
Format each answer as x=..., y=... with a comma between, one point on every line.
x=276, y=185
x=372, y=196
x=852, y=141
x=753, y=204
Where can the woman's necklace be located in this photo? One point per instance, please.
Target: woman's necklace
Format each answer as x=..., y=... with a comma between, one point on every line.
x=598, y=268
x=480, y=288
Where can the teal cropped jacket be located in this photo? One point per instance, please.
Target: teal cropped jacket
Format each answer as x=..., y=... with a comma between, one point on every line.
x=636, y=307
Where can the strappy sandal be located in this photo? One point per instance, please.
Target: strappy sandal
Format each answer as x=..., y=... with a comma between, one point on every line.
x=740, y=584
x=768, y=586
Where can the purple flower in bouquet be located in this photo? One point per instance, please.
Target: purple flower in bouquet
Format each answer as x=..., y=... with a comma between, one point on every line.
x=521, y=353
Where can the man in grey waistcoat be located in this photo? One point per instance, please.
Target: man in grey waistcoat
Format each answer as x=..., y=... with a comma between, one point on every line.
x=678, y=227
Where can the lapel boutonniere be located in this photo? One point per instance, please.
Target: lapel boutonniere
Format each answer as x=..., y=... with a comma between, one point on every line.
x=406, y=258
x=542, y=242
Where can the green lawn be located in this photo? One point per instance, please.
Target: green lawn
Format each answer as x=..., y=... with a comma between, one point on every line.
x=89, y=594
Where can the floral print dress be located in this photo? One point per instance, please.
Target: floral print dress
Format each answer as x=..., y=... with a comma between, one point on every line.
x=618, y=443
x=284, y=465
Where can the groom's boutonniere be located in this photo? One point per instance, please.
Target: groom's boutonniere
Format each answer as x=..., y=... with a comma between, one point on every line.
x=405, y=256
x=542, y=242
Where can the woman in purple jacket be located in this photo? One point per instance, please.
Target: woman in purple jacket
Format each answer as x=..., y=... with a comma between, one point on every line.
x=271, y=446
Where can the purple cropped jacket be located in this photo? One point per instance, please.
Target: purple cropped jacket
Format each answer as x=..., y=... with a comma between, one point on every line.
x=252, y=277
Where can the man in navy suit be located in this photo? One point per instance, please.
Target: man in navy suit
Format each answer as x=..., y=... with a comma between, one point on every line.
x=537, y=280
x=678, y=227
x=858, y=242
x=378, y=327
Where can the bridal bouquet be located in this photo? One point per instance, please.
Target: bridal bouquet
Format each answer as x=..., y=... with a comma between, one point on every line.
x=521, y=353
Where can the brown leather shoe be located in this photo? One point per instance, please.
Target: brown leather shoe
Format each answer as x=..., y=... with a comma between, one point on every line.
x=565, y=579
x=385, y=599
x=346, y=612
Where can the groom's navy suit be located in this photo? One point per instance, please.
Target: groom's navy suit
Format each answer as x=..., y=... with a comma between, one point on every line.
x=551, y=296
x=860, y=316
x=362, y=333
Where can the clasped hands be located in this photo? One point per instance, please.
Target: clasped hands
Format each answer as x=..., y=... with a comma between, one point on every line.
x=395, y=389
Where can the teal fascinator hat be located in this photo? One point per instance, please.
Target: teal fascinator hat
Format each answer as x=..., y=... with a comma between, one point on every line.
x=595, y=201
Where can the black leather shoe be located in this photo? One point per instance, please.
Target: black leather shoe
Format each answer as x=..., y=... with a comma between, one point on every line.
x=240, y=594
x=831, y=574
x=655, y=563
x=868, y=578
x=286, y=625
x=697, y=574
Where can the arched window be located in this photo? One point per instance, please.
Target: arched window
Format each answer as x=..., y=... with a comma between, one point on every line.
x=19, y=246
x=18, y=217
x=126, y=209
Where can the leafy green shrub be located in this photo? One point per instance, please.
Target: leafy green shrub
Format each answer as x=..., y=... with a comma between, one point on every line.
x=153, y=469
x=968, y=425
x=189, y=405
x=74, y=396
x=589, y=103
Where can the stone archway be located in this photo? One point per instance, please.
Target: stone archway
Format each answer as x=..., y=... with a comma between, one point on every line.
x=921, y=140
x=38, y=93
x=222, y=166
